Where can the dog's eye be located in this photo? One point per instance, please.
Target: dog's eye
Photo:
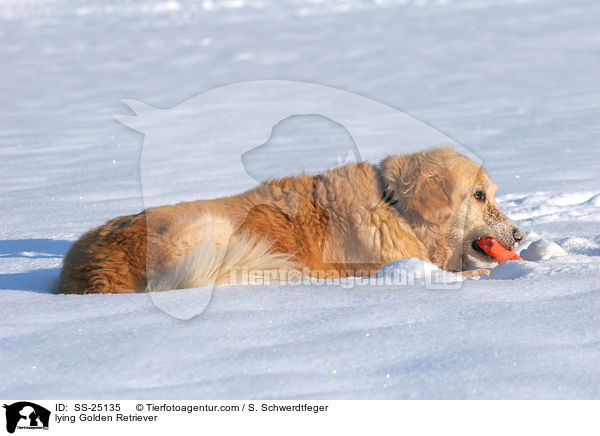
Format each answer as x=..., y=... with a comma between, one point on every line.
x=479, y=195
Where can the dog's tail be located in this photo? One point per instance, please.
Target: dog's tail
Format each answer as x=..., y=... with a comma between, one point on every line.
x=209, y=252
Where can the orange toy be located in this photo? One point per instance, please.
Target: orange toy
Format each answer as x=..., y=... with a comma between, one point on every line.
x=497, y=251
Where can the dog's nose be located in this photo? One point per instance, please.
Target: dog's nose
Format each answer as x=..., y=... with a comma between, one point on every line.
x=518, y=234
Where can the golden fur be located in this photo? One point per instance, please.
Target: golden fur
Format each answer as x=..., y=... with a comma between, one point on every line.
x=348, y=221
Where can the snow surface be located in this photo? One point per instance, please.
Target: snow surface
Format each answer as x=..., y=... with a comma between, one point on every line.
x=514, y=82
x=542, y=249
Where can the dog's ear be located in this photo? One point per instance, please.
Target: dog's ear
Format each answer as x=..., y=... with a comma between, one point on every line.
x=422, y=185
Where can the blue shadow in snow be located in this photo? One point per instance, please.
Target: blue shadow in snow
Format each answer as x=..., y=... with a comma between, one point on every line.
x=40, y=248
x=39, y=280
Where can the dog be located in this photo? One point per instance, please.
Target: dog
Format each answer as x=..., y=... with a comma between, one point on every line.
x=349, y=221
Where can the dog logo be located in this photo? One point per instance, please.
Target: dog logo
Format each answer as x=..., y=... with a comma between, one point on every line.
x=26, y=415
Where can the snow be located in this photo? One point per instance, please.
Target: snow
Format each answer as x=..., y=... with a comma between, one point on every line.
x=515, y=83
x=542, y=249
x=413, y=271
x=517, y=269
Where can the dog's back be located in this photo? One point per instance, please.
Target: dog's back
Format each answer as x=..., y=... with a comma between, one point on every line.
x=330, y=225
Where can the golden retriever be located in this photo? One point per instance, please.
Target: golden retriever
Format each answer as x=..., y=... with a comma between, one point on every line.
x=348, y=221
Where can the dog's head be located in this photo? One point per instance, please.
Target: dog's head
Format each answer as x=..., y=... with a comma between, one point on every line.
x=449, y=201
